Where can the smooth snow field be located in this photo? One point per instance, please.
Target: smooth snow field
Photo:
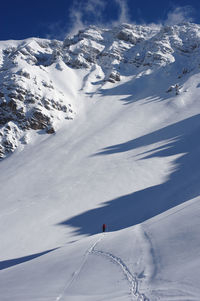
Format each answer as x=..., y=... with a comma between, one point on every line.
x=129, y=159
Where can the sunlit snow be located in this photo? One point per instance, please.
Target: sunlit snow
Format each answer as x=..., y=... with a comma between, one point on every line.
x=129, y=159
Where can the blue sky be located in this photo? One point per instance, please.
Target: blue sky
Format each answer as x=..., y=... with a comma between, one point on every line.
x=21, y=19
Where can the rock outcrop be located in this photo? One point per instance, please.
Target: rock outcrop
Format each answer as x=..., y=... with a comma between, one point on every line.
x=30, y=98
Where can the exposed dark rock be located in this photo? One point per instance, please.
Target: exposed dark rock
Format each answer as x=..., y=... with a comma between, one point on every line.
x=127, y=36
x=12, y=105
x=39, y=121
x=114, y=77
x=50, y=130
x=24, y=73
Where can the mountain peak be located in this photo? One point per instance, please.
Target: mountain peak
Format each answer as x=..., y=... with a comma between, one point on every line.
x=29, y=94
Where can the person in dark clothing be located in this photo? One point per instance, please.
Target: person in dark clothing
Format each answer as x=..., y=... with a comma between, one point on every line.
x=104, y=227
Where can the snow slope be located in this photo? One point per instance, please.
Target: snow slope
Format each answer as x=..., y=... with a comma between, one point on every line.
x=129, y=159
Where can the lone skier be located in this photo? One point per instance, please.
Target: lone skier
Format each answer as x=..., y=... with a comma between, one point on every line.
x=104, y=228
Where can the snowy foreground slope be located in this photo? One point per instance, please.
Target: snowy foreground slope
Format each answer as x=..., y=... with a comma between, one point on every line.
x=129, y=158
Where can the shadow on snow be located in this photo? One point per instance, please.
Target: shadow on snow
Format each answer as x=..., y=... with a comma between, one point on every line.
x=12, y=262
x=152, y=87
x=182, y=185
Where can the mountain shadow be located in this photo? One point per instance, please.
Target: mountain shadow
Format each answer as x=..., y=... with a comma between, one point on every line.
x=182, y=185
x=12, y=262
x=152, y=87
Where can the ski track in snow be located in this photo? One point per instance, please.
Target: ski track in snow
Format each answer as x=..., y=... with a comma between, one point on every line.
x=133, y=282
x=76, y=273
x=136, y=295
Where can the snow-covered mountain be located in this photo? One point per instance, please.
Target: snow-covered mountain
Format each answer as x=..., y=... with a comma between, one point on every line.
x=35, y=81
x=103, y=128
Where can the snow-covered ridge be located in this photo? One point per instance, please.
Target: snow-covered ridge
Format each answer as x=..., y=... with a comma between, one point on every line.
x=130, y=159
x=30, y=95
x=136, y=46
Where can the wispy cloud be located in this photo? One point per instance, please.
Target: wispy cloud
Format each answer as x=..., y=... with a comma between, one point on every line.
x=95, y=7
x=123, y=16
x=76, y=21
x=85, y=13
x=93, y=12
x=180, y=14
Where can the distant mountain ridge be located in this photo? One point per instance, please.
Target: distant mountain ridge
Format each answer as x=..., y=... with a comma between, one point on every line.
x=31, y=98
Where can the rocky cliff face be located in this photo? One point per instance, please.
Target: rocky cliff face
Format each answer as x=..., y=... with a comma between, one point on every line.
x=136, y=46
x=30, y=97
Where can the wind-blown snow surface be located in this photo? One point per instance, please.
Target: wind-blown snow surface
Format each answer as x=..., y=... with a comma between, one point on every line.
x=129, y=159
